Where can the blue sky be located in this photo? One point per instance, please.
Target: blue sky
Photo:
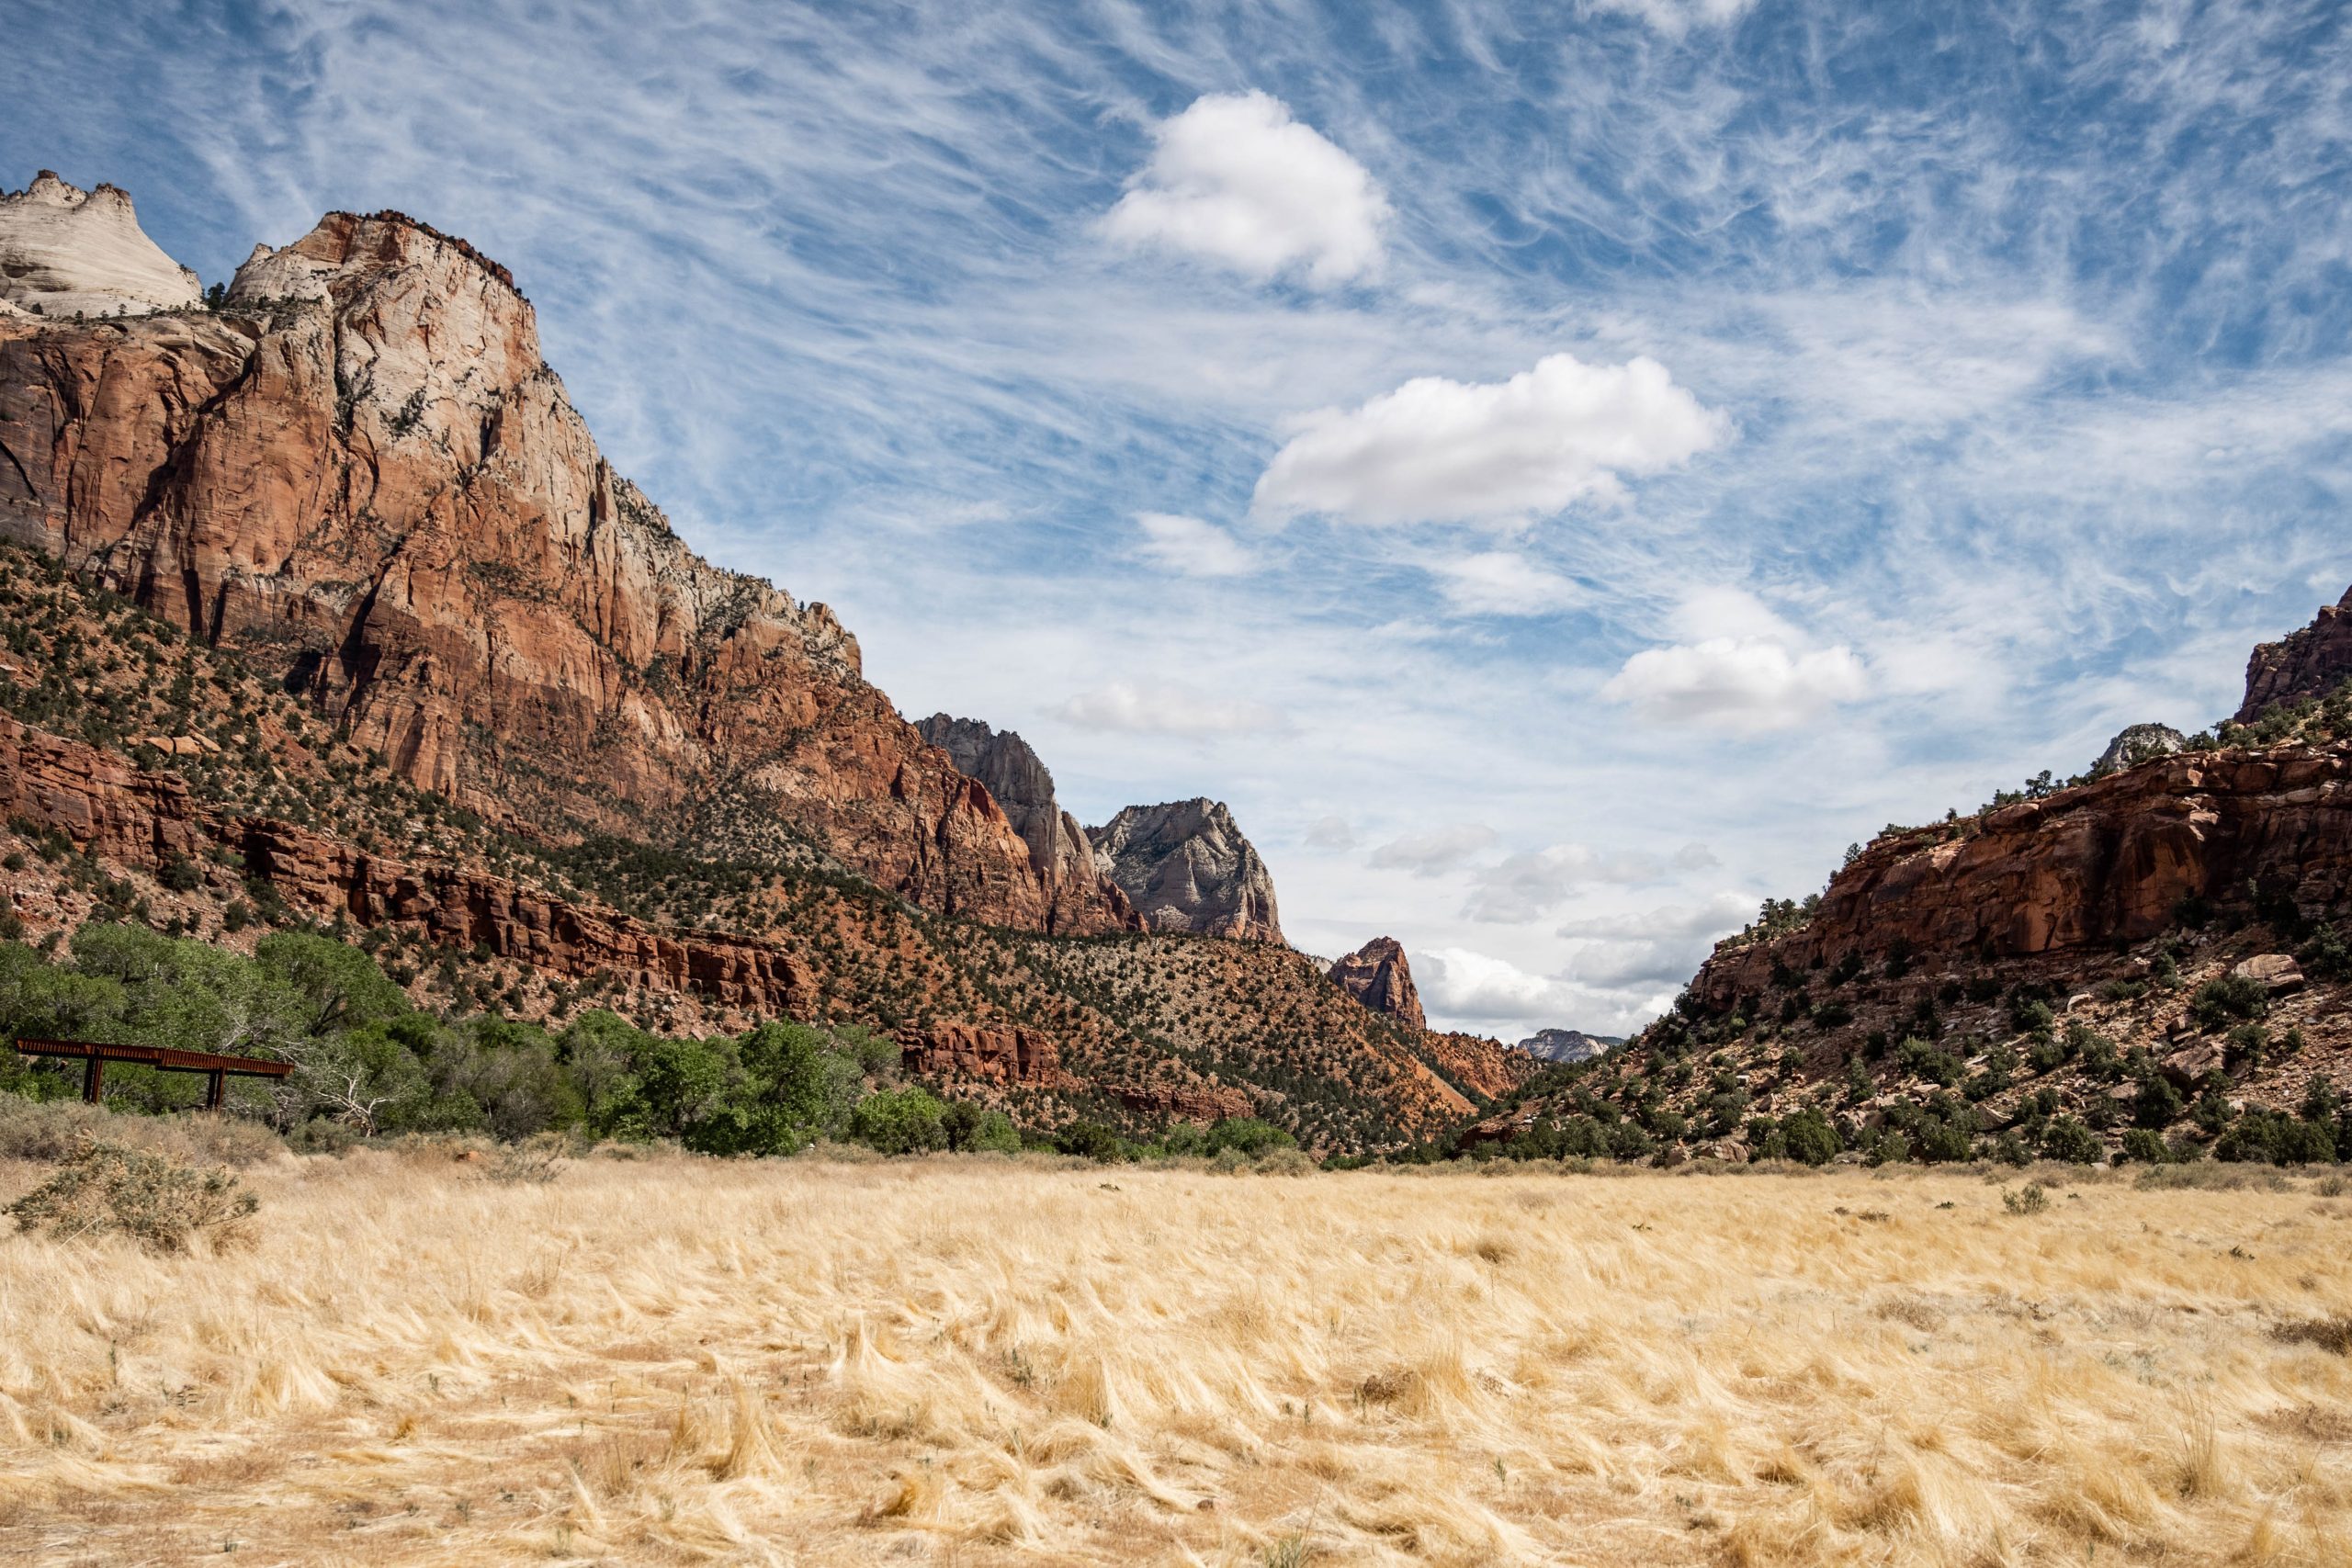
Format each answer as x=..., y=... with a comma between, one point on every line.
x=1561, y=472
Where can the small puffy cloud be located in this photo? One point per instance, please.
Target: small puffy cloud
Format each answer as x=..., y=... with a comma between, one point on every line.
x=1165, y=710
x=1744, y=685
x=1236, y=180
x=1503, y=583
x=1189, y=547
x=1436, y=450
x=1332, y=833
x=1436, y=851
x=1460, y=984
x=1527, y=885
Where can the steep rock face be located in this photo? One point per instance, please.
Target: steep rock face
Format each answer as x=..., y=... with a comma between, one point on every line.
x=64, y=250
x=1184, y=866
x=1378, y=975
x=1565, y=1045
x=2108, y=862
x=364, y=476
x=2309, y=663
x=2136, y=744
x=1079, y=895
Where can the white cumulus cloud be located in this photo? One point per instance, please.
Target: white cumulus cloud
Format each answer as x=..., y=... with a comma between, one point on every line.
x=1744, y=685
x=1236, y=180
x=1461, y=984
x=1165, y=710
x=1189, y=547
x=1437, y=450
x=1504, y=583
x=1738, y=665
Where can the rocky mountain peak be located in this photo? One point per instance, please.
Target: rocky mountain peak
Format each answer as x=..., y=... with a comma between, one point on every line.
x=1186, y=866
x=1077, y=889
x=64, y=250
x=361, y=474
x=1566, y=1045
x=1378, y=975
x=2136, y=744
x=2308, y=663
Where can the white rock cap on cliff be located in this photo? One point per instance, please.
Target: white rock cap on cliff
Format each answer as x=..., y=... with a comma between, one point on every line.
x=64, y=249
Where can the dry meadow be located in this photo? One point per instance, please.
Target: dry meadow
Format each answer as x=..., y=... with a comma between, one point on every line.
x=970, y=1362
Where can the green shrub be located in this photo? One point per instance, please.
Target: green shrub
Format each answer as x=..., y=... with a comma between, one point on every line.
x=2069, y=1141
x=1090, y=1140
x=2157, y=1104
x=1250, y=1134
x=108, y=1189
x=1811, y=1139
x=2146, y=1147
x=908, y=1120
x=2230, y=996
x=971, y=1129
x=2028, y=1200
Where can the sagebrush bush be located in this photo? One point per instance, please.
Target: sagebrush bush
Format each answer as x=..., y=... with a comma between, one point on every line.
x=48, y=1131
x=106, y=1188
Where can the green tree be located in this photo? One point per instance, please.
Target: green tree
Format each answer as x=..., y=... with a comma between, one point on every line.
x=1810, y=1137
x=341, y=986
x=908, y=1120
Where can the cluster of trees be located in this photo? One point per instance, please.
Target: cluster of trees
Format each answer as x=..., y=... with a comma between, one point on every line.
x=367, y=1061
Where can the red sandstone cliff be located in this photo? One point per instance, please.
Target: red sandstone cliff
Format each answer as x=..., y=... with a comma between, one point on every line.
x=2312, y=662
x=1378, y=975
x=2108, y=862
x=365, y=477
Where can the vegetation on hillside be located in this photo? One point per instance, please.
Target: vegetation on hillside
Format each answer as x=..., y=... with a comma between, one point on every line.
x=1133, y=1010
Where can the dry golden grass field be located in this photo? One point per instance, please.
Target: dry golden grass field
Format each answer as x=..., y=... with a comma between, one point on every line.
x=970, y=1362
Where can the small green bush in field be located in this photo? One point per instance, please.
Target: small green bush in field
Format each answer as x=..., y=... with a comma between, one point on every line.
x=106, y=1188
x=2028, y=1200
x=899, y=1122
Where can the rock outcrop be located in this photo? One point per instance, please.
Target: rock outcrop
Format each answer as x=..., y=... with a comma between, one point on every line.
x=2312, y=662
x=364, y=476
x=64, y=251
x=1184, y=866
x=1077, y=893
x=1008, y=1055
x=2136, y=744
x=2112, y=860
x=1565, y=1046
x=1378, y=975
